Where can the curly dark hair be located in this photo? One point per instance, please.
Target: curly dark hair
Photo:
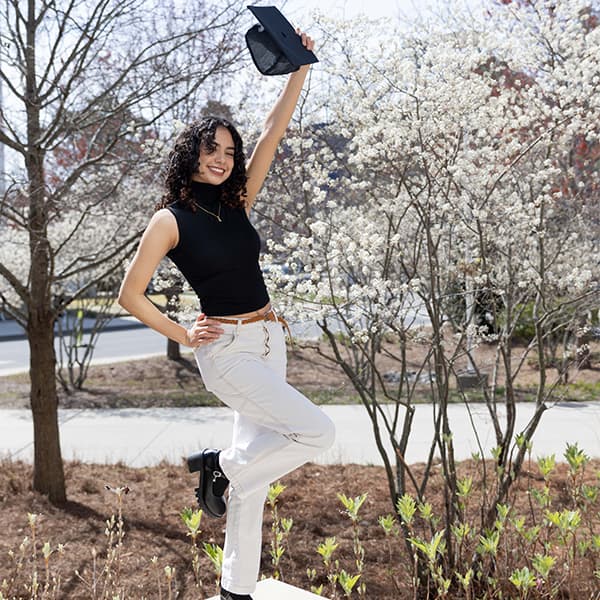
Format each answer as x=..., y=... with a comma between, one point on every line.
x=183, y=163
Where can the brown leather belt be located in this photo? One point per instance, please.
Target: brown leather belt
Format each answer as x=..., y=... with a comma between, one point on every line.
x=270, y=316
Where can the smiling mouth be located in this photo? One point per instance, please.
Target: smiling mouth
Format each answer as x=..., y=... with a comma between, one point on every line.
x=216, y=170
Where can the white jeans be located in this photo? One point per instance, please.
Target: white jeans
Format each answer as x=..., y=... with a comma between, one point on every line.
x=275, y=430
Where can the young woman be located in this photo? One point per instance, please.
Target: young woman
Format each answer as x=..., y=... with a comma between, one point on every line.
x=238, y=340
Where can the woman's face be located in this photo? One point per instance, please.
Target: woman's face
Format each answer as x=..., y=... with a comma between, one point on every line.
x=216, y=166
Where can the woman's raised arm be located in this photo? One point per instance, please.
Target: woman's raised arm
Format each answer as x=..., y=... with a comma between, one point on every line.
x=274, y=129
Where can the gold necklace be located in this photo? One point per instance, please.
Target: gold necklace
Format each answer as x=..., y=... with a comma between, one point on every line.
x=216, y=216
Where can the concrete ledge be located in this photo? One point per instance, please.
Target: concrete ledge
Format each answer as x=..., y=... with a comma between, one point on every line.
x=271, y=589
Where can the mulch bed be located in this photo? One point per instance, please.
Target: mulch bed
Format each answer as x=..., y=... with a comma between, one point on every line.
x=153, y=526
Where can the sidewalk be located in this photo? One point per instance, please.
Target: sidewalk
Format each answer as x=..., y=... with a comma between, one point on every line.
x=144, y=437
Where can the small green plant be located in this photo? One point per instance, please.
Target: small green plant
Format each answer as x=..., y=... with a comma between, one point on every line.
x=577, y=460
x=464, y=487
x=390, y=527
x=546, y=465
x=567, y=523
x=170, y=577
x=17, y=559
x=426, y=513
x=312, y=575
x=33, y=520
x=352, y=506
x=44, y=587
x=466, y=581
x=326, y=550
x=51, y=583
x=105, y=582
x=488, y=543
x=286, y=524
x=432, y=550
x=543, y=565
x=280, y=529
x=347, y=582
x=215, y=554
x=406, y=507
x=192, y=519
x=523, y=579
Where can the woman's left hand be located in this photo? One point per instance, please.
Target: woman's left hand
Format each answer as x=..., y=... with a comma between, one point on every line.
x=307, y=41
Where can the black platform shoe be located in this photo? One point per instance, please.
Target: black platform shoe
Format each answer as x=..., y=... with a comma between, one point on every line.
x=225, y=595
x=207, y=463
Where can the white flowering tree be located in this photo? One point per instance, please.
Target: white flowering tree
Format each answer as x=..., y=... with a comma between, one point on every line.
x=84, y=84
x=440, y=190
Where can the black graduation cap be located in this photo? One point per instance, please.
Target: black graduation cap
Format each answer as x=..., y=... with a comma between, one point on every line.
x=275, y=47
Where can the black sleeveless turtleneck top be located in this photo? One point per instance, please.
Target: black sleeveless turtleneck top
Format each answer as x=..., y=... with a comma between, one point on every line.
x=218, y=256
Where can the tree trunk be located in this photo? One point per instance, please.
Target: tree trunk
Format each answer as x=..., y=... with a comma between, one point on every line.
x=48, y=473
x=172, y=308
x=173, y=350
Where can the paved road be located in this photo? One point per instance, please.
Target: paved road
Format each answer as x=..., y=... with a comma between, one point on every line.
x=112, y=346
x=140, y=437
x=126, y=339
x=123, y=339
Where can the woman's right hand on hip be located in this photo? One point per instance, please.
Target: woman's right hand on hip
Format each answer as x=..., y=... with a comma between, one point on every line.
x=203, y=331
